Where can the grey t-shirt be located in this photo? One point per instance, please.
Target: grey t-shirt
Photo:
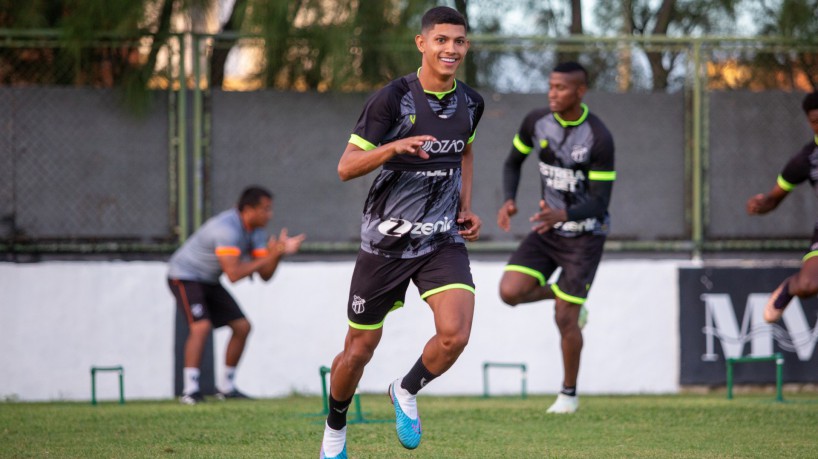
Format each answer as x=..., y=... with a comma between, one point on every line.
x=223, y=234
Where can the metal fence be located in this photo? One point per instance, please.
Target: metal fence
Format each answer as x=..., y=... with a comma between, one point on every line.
x=699, y=125
x=83, y=169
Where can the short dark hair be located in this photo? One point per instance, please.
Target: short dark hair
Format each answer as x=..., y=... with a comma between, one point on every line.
x=442, y=15
x=252, y=195
x=571, y=67
x=810, y=102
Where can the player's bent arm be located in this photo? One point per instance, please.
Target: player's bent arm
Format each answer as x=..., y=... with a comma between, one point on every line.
x=274, y=255
x=763, y=203
x=467, y=175
x=511, y=181
x=600, y=192
x=507, y=210
x=356, y=162
x=278, y=249
x=235, y=269
x=511, y=173
x=469, y=222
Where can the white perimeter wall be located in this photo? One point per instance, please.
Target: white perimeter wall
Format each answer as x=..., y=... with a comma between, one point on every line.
x=58, y=319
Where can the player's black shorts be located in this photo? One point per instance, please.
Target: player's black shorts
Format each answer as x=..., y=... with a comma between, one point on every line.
x=200, y=300
x=379, y=283
x=539, y=255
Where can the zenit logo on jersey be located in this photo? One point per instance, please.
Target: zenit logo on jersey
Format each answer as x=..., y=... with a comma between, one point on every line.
x=443, y=146
x=398, y=227
x=560, y=178
x=577, y=227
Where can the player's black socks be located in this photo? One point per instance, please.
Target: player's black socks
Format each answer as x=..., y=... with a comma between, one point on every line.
x=417, y=377
x=337, y=417
x=571, y=391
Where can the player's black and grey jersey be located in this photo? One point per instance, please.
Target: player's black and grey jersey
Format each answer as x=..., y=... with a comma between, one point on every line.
x=802, y=167
x=576, y=167
x=412, y=206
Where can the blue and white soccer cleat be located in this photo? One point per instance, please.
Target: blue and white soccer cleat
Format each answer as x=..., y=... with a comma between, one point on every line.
x=341, y=455
x=409, y=430
x=332, y=440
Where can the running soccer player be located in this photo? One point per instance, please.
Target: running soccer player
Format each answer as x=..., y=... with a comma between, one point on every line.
x=801, y=167
x=576, y=163
x=223, y=245
x=416, y=220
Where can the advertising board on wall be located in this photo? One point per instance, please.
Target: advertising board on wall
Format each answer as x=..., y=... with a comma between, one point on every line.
x=721, y=317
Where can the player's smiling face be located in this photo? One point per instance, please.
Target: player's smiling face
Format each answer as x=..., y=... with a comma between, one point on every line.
x=443, y=46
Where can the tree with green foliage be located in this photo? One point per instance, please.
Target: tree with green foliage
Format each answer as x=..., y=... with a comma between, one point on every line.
x=98, y=42
x=795, y=19
x=307, y=44
x=679, y=18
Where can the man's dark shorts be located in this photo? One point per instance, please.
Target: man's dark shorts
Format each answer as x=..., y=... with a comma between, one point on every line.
x=539, y=255
x=379, y=283
x=200, y=301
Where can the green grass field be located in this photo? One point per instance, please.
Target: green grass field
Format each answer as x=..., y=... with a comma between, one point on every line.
x=677, y=426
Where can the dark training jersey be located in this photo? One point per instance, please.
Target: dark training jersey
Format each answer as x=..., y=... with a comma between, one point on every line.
x=801, y=167
x=576, y=168
x=412, y=206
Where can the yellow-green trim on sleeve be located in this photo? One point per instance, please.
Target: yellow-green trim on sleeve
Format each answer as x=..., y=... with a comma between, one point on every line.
x=521, y=146
x=602, y=176
x=785, y=185
x=431, y=292
x=564, y=296
x=816, y=139
x=471, y=139
x=810, y=255
x=526, y=270
x=361, y=142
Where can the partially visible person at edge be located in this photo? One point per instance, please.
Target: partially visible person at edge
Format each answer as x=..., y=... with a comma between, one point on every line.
x=235, y=243
x=576, y=164
x=420, y=128
x=802, y=167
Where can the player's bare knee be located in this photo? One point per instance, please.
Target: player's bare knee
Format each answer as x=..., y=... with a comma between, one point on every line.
x=566, y=320
x=200, y=328
x=509, y=296
x=453, y=344
x=358, y=354
x=241, y=328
